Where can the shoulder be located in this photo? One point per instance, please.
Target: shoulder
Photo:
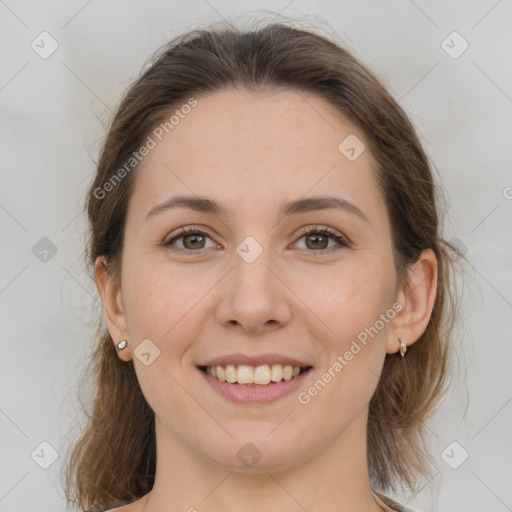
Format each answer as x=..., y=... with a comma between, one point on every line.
x=394, y=505
x=123, y=508
x=109, y=507
x=134, y=506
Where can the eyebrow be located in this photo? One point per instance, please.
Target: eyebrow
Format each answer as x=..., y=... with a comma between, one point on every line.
x=310, y=204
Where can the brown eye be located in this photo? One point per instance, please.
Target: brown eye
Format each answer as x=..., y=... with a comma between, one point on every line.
x=193, y=241
x=317, y=241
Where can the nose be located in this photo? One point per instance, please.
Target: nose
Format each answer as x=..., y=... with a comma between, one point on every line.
x=253, y=297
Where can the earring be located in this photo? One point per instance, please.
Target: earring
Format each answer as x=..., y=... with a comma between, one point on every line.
x=121, y=345
x=403, y=347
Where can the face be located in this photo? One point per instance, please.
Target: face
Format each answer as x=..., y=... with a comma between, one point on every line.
x=268, y=275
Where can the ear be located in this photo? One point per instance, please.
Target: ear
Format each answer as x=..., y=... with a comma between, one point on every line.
x=417, y=297
x=113, y=307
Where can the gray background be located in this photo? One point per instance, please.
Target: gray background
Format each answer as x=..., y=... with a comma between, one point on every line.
x=54, y=112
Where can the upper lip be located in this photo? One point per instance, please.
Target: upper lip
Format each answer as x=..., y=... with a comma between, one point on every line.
x=237, y=359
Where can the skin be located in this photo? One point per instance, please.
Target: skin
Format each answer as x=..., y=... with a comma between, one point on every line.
x=291, y=300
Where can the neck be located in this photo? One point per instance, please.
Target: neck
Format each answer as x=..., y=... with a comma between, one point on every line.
x=334, y=480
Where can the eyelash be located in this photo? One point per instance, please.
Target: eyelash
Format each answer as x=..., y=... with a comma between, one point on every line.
x=310, y=230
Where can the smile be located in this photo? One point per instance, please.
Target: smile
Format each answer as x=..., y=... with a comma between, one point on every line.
x=261, y=375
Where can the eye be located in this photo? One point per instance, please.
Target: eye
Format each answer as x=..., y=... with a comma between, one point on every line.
x=190, y=239
x=318, y=239
x=315, y=238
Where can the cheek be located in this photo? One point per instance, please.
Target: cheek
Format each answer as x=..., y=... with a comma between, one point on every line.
x=353, y=310
x=164, y=302
x=162, y=305
x=349, y=298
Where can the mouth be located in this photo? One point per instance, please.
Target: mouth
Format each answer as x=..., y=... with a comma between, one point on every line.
x=250, y=376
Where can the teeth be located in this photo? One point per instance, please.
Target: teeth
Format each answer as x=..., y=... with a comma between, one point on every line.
x=262, y=375
x=244, y=375
x=277, y=373
x=230, y=373
x=250, y=375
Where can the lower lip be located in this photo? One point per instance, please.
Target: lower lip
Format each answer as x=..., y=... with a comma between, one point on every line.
x=256, y=394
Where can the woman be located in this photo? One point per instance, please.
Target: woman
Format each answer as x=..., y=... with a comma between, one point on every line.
x=266, y=243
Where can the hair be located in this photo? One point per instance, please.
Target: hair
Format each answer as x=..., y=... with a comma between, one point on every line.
x=114, y=460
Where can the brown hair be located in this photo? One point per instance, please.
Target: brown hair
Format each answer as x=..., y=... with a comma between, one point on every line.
x=114, y=460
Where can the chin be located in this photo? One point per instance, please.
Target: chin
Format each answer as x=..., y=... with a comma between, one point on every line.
x=257, y=450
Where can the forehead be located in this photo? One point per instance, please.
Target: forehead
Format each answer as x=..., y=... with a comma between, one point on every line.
x=251, y=150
